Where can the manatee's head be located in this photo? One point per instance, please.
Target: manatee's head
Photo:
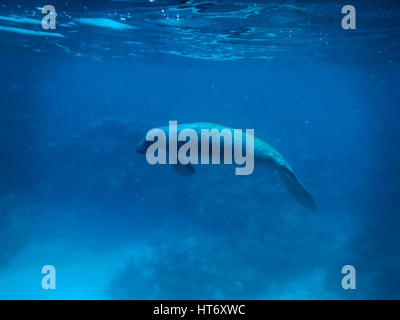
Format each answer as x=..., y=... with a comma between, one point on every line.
x=142, y=146
x=151, y=136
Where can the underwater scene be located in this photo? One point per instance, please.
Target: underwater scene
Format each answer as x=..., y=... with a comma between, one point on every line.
x=85, y=215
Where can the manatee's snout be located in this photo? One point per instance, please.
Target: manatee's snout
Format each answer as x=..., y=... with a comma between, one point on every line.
x=142, y=147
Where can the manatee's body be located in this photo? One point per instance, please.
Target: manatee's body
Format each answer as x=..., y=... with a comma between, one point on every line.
x=264, y=155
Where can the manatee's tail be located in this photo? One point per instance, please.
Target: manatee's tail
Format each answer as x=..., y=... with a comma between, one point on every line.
x=296, y=188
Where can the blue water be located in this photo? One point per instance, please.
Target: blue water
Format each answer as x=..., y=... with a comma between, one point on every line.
x=75, y=101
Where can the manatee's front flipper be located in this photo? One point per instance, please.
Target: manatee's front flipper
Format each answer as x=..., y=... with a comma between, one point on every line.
x=296, y=188
x=184, y=169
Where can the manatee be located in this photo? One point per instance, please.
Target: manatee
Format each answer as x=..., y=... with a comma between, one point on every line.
x=264, y=155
